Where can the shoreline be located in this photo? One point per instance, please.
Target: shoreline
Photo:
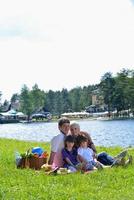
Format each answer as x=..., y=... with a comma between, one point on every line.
x=71, y=119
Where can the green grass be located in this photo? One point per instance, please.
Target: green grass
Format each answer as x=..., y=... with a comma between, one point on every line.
x=27, y=184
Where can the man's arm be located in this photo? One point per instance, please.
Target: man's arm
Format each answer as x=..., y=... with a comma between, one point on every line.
x=54, y=146
x=51, y=158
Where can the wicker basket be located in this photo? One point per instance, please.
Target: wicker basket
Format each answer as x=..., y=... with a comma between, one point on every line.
x=32, y=162
x=36, y=163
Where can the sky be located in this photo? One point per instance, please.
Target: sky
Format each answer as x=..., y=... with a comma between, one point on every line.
x=63, y=44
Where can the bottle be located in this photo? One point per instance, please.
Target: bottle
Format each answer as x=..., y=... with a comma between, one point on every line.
x=17, y=158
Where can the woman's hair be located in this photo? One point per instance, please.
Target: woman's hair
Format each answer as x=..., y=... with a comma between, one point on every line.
x=63, y=120
x=81, y=139
x=70, y=139
x=74, y=123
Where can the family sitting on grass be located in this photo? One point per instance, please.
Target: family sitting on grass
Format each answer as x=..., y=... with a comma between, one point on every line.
x=74, y=150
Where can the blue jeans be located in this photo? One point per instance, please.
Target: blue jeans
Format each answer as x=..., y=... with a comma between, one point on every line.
x=90, y=165
x=105, y=159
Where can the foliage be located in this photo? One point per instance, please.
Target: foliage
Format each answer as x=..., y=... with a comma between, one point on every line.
x=5, y=106
x=37, y=97
x=117, y=92
x=67, y=101
x=107, y=86
x=15, y=97
x=27, y=184
x=26, y=101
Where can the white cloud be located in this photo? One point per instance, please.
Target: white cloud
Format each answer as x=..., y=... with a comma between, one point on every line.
x=60, y=43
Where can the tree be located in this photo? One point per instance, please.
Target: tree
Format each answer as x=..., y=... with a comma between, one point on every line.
x=26, y=103
x=37, y=97
x=58, y=103
x=15, y=97
x=107, y=86
x=66, y=106
x=85, y=97
x=49, y=101
x=74, y=96
x=130, y=91
x=5, y=105
x=121, y=100
x=15, y=101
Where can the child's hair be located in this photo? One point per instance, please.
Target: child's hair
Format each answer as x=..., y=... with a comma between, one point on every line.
x=70, y=139
x=81, y=139
x=63, y=120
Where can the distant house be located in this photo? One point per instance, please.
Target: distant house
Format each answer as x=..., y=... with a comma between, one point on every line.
x=41, y=114
x=98, y=104
x=76, y=114
x=11, y=116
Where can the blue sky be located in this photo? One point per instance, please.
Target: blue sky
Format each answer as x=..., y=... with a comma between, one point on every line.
x=60, y=43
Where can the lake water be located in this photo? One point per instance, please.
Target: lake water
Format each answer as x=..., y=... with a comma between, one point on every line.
x=103, y=133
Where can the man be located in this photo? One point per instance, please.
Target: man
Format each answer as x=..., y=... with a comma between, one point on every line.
x=57, y=143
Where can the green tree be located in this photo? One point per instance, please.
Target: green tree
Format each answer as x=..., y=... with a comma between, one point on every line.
x=107, y=86
x=26, y=103
x=85, y=97
x=66, y=106
x=15, y=101
x=15, y=97
x=121, y=92
x=130, y=91
x=49, y=101
x=37, y=97
x=74, y=97
x=58, y=103
x=5, y=105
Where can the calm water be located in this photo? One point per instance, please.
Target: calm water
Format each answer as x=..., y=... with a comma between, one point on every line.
x=104, y=133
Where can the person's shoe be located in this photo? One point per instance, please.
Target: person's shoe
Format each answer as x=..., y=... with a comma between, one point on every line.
x=120, y=161
x=121, y=155
x=115, y=163
x=63, y=171
x=99, y=166
x=53, y=171
x=129, y=161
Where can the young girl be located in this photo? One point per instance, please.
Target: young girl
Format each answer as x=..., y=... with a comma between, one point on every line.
x=86, y=155
x=69, y=154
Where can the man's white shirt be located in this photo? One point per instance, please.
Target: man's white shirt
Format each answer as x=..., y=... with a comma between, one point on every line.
x=57, y=143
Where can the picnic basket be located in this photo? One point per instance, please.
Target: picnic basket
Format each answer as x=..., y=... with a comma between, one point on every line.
x=32, y=161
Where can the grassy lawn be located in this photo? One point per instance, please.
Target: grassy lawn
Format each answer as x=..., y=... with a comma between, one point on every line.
x=27, y=184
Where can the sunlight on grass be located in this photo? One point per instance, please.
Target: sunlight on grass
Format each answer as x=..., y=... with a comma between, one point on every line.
x=27, y=184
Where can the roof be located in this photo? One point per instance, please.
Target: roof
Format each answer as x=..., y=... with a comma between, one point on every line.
x=75, y=114
x=12, y=113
